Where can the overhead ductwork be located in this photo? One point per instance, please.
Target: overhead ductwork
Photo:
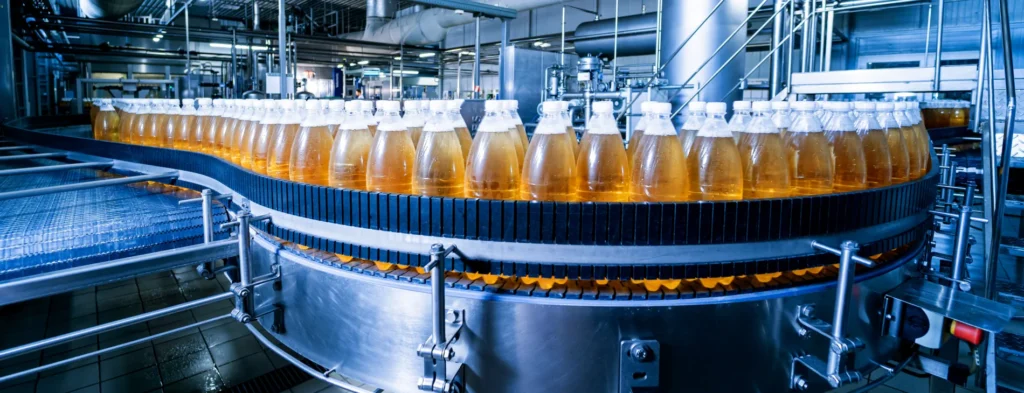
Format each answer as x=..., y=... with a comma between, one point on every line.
x=426, y=27
x=98, y=9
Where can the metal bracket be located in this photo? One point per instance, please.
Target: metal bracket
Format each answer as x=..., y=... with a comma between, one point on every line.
x=639, y=365
x=437, y=351
x=840, y=346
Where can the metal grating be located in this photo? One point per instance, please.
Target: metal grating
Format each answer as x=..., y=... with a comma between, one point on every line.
x=279, y=380
x=57, y=231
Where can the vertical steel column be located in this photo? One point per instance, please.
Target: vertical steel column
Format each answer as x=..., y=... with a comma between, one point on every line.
x=963, y=233
x=458, y=77
x=774, y=70
x=244, y=268
x=657, y=39
x=615, y=52
x=476, y=62
x=561, y=52
x=437, y=302
x=844, y=290
x=927, y=35
x=503, y=62
x=207, y=207
x=938, y=45
x=282, y=69
x=188, y=49
x=440, y=74
x=979, y=98
x=811, y=35
x=805, y=37
x=791, y=44
x=826, y=64
x=234, y=63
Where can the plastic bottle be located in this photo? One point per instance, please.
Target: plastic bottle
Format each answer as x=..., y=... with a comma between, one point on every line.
x=512, y=108
x=260, y=148
x=809, y=154
x=202, y=126
x=659, y=171
x=351, y=150
x=225, y=130
x=454, y=115
x=511, y=125
x=335, y=115
x=569, y=130
x=94, y=109
x=311, y=151
x=781, y=117
x=924, y=140
x=492, y=169
x=549, y=167
x=740, y=118
x=171, y=123
x=392, y=153
x=279, y=156
x=372, y=117
x=847, y=150
x=602, y=169
x=638, y=131
x=439, y=169
x=763, y=154
x=142, y=114
x=877, y=157
x=156, y=124
x=245, y=114
x=716, y=171
x=914, y=150
x=105, y=126
x=212, y=128
x=127, y=120
x=186, y=123
x=899, y=156
x=414, y=120
x=695, y=118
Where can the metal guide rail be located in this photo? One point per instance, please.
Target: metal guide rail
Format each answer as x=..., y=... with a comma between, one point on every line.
x=651, y=240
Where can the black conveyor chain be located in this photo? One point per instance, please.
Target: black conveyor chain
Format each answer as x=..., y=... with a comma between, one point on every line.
x=578, y=223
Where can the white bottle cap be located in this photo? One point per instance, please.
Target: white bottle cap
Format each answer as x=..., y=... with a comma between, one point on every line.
x=864, y=106
x=492, y=105
x=336, y=104
x=366, y=105
x=351, y=106
x=740, y=105
x=840, y=106
x=883, y=106
x=389, y=106
x=551, y=106
x=780, y=105
x=719, y=107
x=453, y=105
x=187, y=101
x=311, y=105
x=646, y=106
x=661, y=108
x=805, y=105
x=438, y=105
x=697, y=106
x=900, y=106
x=761, y=106
x=603, y=107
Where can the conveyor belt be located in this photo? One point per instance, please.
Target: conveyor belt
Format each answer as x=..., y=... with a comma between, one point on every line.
x=62, y=230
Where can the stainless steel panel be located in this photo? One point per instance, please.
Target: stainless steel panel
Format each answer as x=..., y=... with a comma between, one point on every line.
x=953, y=78
x=525, y=71
x=959, y=306
x=368, y=328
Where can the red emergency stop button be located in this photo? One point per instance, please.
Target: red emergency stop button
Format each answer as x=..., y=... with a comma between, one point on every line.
x=965, y=332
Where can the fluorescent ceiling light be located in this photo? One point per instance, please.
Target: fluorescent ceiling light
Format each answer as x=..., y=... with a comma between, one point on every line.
x=466, y=53
x=364, y=62
x=351, y=64
x=406, y=72
x=427, y=54
x=341, y=66
x=243, y=47
x=156, y=39
x=545, y=45
x=159, y=36
x=538, y=43
x=398, y=57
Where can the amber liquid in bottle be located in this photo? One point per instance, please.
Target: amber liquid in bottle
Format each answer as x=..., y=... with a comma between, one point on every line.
x=809, y=155
x=549, y=166
x=716, y=171
x=877, y=157
x=847, y=151
x=763, y=155
x=311, y=155
x=439, y=169
x=492, y=169
x=899, y=156
x=389, y=166
x=659, y=171
x=602, y=169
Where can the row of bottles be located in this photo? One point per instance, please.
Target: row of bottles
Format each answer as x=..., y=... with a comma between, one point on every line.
x=763, y=151
x=946, y=113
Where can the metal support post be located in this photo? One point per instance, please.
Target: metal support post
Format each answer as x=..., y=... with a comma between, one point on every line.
x=282, y=42
x=437, y=297
x=950, y=180
x=938, y=45
x=188, y=46
x=773, y=80
x=503, y=82
x=805, y=37
x=476, y=61
x=657, y=39
x=844, y=290
x=927, y=35
x=206, y=269
x=234, y=64
x=243, y=310
x=963, y=234
x=437, y=350
x=561, y=51
x=615, y=52
x=8, y=106
x=826, y=64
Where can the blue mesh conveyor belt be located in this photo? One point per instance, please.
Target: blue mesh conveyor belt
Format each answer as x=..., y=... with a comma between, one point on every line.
x=58, y=231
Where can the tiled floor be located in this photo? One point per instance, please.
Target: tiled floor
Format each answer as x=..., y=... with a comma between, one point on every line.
x=210, y=358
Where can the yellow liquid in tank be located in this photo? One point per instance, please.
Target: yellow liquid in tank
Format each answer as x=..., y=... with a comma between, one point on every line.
x=810, y=163
x=850, y=171
x=237, y=139
x=311, y=156
x=414, y=133
x=877, y=158
x=958, y=117
x=913, y=151
x=281, y=150
x=521, y=131
x=602, y=170
x=348, y=160
x=765, y=166
x=389, y=166
x=716, y=171
x=899, y=156
x=260, y=152
x=548, y=170
x=440, y=169
x=465, y=140
x=492, y=169
x=139, y=128
x=183, y=131
x=634, y=144
x=659, y=171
